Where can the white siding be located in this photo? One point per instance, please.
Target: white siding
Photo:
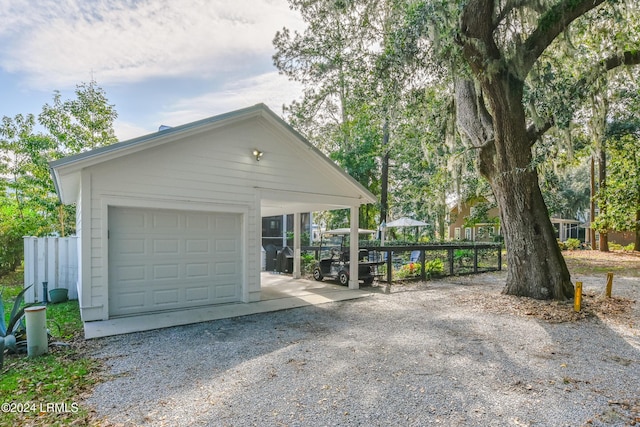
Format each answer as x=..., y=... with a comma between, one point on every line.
x=190, y=174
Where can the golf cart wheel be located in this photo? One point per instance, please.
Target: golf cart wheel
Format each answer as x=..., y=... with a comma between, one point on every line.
x=343, y=278
x=317, y=274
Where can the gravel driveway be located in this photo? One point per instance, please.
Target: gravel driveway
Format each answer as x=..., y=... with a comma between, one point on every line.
x=435, y=353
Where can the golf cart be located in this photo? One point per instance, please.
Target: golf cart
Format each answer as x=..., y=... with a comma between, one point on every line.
x=336, y=266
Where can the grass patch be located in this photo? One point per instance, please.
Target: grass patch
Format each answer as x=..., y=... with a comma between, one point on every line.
x=48, y=390
x=63, y=320
x=594, y=263
x=12, y=284
x=32, y=385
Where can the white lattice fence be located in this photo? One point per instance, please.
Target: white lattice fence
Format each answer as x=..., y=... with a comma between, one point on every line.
x=53, y=260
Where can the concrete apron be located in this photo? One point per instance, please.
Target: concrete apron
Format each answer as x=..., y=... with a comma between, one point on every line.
x=279, y=292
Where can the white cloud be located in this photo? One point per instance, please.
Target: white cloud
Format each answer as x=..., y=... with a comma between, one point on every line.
x=270, y=88
x=56, y=43
x=125, y=130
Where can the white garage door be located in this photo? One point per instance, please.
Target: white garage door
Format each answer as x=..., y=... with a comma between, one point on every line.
x=168, y=260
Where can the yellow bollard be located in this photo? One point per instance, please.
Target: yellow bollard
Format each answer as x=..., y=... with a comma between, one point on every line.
x=609, y=284
x=577, y=301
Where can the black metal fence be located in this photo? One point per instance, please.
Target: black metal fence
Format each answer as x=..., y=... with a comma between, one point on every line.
x=422, y=262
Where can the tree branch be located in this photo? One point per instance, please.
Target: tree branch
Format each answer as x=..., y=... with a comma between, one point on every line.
x=476, y=35
x=511, y=5
x=631, y=57
x=550, y=25
x=472, y=117
x=534, y=132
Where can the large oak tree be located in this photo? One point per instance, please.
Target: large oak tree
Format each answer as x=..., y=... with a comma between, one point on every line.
x=501, y=42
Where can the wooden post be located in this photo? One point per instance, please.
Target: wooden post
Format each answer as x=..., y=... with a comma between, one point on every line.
x=609, y=284
x=475, y=259
x=450, y=256
x=423, y=273
x=577, y=301
x=389, y=266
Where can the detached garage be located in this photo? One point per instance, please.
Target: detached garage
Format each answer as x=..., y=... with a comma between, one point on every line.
x=171, y=221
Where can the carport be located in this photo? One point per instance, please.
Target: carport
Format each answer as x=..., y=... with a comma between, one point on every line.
x=170, y=222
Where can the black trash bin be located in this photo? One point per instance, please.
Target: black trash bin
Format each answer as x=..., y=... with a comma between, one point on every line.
x=271, y=251
x=284, y=263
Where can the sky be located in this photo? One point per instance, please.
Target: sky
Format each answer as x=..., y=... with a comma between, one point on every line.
x=160, y=62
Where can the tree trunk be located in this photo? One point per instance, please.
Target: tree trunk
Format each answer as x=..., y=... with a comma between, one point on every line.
x=592, y=205
x=384, y=184
x=442, y=214
x=602, y=170
x=535, y=266
x=637, y=243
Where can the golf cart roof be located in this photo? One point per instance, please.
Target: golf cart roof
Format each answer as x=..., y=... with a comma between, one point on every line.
x=347, y=231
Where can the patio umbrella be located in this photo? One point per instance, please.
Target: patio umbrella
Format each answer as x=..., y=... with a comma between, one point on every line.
x=406, y=222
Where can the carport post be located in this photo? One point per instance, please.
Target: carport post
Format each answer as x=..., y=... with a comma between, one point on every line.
x=354, y=249
x=296, y=246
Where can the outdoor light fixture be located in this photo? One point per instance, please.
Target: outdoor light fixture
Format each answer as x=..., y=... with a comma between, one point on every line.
x=258, y=154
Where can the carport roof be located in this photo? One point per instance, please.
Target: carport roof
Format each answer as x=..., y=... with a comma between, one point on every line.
x=66, y=172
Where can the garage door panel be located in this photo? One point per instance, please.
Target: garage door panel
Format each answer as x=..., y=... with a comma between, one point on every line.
x=130, y=273
x=225, y=223
x=225, y=291
x=131, y=246
x=166, y=260
x=166, y=271
x=197, y=293
x=165, y=221
x=131, y=301
x=166, y=246
x=198, y=270
x=199, y=222
x=197, y=246
x=225, y=269
x=226, y=246
x=129, y=219
x=166, y=297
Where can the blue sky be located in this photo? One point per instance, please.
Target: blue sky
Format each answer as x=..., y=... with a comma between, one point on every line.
x=160, y=61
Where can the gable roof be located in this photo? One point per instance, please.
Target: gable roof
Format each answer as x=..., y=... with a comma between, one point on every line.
x=66, y=172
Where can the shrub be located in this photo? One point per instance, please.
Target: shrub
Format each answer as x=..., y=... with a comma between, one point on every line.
x=13, y=330
x=460, y=254
x=307, y=261
x=618, y=247
x=435, y=266
x=572, y=244
x=412, y=269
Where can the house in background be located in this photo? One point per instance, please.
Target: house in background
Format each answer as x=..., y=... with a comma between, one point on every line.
x=474, y=220
x=568, y=229
x=172, y=221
